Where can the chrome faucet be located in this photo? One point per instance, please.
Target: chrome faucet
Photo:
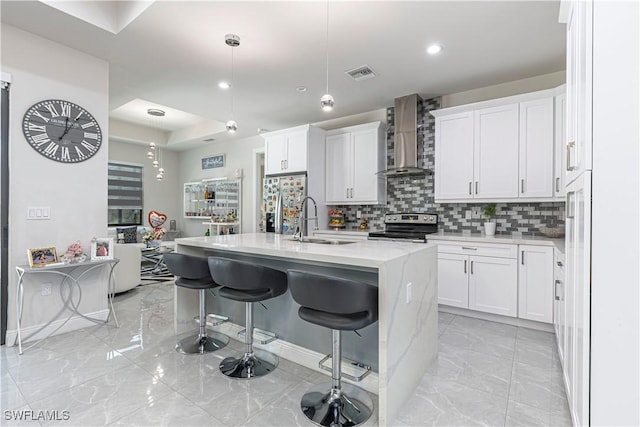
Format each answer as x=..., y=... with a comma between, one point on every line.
x=303, y=219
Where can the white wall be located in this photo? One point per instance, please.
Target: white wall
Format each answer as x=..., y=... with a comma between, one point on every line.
x=238, y=155
x=162, y=196
x=532, y=84
x=76, y=193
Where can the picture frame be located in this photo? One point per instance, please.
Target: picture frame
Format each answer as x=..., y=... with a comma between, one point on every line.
x=212, y=162
x=102, y=248
x=41, y=257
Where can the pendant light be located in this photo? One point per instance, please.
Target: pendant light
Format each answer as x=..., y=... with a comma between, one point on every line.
x=155, y=115
x=326, y=102
x=233, y=41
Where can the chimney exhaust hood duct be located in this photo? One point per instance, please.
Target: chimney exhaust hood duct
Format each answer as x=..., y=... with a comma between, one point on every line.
x=405, y=147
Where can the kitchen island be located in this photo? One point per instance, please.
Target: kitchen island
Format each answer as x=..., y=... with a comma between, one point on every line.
x=400, y=346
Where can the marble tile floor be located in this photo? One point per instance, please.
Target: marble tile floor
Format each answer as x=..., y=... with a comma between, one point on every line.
x=486, y=374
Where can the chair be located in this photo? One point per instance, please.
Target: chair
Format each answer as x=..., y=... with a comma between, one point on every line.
x=341, y=305
x=126, y=274
x=247, y=282
x=192, y=272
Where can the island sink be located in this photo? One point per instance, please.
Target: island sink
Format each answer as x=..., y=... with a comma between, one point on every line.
x=321, y=241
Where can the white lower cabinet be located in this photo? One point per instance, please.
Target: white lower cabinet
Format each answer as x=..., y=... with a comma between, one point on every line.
x=535, y=283
x=559, y=314
x=453, y=280
x=506, y=279
x=492, y=285
x=480, y=277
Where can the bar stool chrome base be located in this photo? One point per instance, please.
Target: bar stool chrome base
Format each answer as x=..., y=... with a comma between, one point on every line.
x=255, y=364
x=326, y=406
x=195, y=344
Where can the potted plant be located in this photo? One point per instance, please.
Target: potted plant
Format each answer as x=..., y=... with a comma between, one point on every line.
x=489, y=226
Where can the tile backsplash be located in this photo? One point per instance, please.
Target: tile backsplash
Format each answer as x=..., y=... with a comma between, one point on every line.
x=415, y=194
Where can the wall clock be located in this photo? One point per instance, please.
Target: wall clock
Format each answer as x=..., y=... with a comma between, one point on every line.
x=62, y=131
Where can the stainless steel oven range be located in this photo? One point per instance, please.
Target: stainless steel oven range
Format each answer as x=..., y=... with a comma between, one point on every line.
x=412, y=227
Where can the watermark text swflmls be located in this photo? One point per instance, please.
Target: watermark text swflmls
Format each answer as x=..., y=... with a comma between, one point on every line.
x=29, y=415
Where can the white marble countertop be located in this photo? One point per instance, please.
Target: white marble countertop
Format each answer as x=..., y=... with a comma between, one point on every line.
x=365, y=253
x=344, y=233
x=514, y=239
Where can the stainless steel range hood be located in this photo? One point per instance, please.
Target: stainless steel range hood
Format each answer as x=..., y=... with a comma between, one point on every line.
x=405, y=147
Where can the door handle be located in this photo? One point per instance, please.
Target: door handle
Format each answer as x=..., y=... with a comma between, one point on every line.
x=469, y=248
x=522, y=185
x=286, y=164
x=346, y=191
x=476, y=187
x=570, y=145
x=522, y=258
x=465, y=266
x=471, y=267
x=470, y=188
x=557, y=184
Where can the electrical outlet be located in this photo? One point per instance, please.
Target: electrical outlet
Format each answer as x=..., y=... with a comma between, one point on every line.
x=476, y=212
x=409, y=292
x=46, y=289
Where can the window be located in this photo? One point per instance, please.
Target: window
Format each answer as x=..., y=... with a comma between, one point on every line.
x=125, y=194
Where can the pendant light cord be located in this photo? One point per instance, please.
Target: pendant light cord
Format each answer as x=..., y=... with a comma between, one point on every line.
x=327, y=46
x=232, y=86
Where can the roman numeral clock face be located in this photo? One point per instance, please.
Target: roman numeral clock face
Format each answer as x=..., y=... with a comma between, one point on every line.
x=62, y=131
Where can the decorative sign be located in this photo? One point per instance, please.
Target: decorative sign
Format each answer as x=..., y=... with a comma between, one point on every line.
x=212, y=162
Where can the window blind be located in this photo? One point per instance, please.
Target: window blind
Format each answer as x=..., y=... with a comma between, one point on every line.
x=125, y=194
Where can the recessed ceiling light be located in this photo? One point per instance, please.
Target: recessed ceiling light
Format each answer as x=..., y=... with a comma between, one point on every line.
x=224, y=85
x=301, y=89
x=433, y=49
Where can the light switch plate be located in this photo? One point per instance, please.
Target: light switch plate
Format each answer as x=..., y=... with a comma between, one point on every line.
x=39, y=212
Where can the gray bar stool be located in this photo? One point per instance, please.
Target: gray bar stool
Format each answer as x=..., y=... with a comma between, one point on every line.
x=192, y=272
x=342, y=305
x=249, y=283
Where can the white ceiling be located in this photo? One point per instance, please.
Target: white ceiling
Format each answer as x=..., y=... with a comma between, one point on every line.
x=173, y=55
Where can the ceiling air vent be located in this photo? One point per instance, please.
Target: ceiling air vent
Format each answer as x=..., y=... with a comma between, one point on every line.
x=361, y=73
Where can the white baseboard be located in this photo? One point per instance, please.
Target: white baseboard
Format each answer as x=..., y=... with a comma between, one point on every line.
x=300, y=355
x=514, y=321
x=73, y=324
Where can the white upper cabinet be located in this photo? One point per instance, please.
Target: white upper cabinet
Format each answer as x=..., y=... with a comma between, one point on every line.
x=536, y=148
x=579, y=88
x=353, y=156
x=560, y=158
x=286, y=151
x=454, y=155
x=497, y=150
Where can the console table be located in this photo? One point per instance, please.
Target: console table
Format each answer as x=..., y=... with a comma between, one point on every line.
x=152, y=266
x=68, y=283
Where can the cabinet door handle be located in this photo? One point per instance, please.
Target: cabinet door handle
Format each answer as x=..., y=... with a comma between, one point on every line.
x=522, y=185
x=346, y=192
x=570, y=145
x=465, y=266
x=522, y=258
x=471, y=267
x=557, y=184
x=470, y=188
x=559, y=263
x=286, y=164
x=351, y=193
x=557, y=296
x=476, y=187
x=281, y=165
x=469, y=248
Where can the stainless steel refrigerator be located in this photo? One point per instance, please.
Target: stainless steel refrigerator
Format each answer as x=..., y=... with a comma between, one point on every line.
x=292, y=189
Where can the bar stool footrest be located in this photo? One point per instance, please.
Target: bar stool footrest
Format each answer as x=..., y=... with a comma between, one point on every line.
x=355, y=371
x=212, y=320
x=259, y=335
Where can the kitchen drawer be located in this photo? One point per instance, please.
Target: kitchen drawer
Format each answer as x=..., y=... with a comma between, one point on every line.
x=479, y=249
